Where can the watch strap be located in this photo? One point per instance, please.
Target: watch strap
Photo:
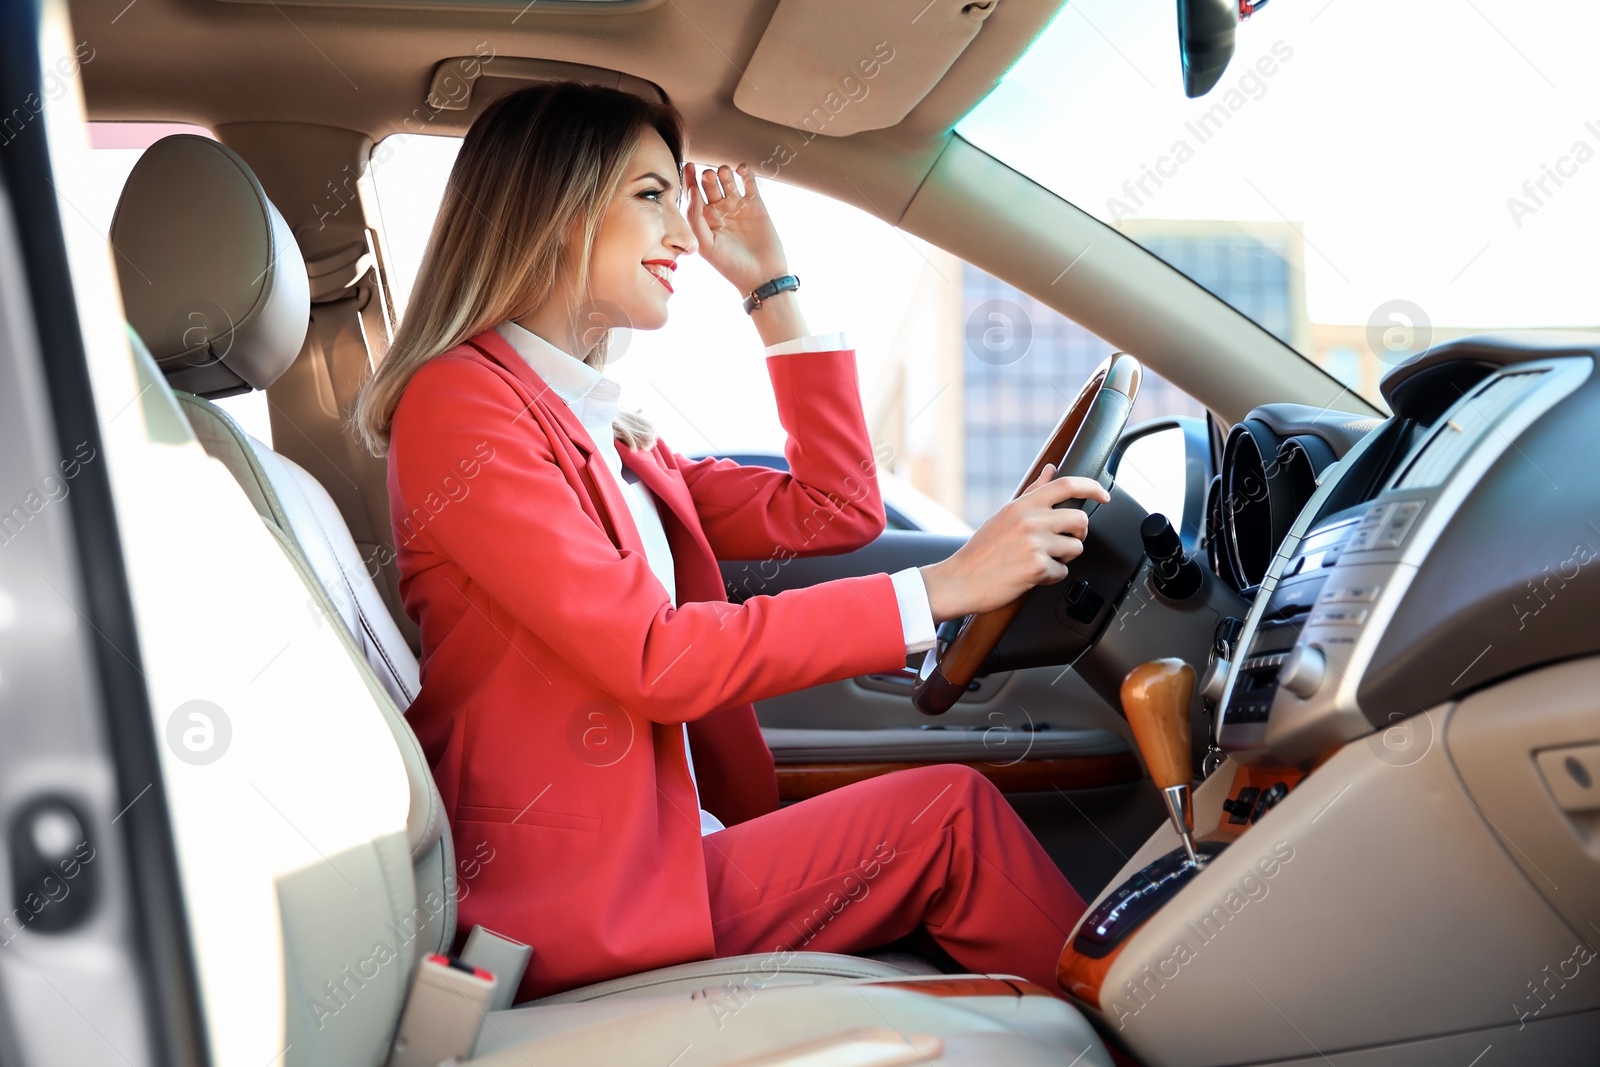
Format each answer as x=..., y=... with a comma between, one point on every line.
x=785, y=284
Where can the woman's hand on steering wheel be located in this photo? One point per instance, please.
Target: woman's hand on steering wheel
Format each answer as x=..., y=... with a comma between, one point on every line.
x=1028, y=542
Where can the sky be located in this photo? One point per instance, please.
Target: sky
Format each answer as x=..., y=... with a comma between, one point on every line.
x=1393, y=132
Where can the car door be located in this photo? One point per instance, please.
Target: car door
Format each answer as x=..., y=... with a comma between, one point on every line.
x=95, y=959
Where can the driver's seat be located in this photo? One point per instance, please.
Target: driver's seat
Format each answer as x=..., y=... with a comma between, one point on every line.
x=206, y=240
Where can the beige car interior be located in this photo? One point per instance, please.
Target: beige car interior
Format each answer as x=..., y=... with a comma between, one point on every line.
x=185, y=191
x=429, y=70
x=1408, y=906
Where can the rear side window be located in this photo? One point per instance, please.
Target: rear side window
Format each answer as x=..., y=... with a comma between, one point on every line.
x=409, y=172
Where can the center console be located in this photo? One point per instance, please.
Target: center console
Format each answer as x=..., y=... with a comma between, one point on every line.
x=1246, y=930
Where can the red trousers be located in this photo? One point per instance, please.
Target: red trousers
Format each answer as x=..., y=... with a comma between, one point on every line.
x=860, y=866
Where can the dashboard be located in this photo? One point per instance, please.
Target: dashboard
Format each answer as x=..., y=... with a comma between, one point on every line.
x=1394, y=565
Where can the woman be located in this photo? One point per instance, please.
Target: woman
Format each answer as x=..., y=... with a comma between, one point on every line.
x=586, y=687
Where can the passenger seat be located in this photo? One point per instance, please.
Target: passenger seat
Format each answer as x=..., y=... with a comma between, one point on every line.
x=214, y=282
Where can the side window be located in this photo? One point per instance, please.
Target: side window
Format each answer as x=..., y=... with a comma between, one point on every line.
x=1022, y=365
x=962, y=376
x=1152, y=471
x=116, y=147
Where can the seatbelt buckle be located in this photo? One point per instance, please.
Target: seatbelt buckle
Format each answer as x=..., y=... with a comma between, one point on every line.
x=506, y=959
x=443, y=1014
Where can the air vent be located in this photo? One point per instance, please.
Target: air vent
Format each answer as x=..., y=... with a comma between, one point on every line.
x=1463, y=426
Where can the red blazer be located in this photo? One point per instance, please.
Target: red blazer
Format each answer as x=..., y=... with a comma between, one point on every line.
x=555, y=671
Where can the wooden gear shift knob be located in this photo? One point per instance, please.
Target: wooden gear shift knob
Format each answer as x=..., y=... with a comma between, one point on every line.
x=1155, y=699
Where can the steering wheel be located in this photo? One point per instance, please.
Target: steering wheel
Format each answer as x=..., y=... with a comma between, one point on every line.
x=1080, y=445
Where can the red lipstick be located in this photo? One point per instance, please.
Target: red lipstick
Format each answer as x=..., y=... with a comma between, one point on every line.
x=667, y=263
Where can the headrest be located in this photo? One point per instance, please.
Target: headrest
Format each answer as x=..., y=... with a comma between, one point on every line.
x=212, y=277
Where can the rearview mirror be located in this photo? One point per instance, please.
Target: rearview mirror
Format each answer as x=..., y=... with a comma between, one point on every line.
x=1205, y=41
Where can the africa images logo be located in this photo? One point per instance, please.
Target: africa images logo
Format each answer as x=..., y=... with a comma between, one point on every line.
x=1251, y=85
x=198, y=732
x=600, y=732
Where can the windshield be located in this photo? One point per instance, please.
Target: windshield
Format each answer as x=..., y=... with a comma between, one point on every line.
x=1368, y=177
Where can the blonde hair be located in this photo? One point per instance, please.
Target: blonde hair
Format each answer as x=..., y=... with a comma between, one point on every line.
x=537, y=165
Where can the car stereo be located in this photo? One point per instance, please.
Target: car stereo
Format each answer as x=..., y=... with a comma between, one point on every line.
x=1337, y=579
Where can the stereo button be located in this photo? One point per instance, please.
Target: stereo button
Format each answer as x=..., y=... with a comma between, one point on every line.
x=1355, y=594
x=1339, y=617
x=1303, y=673
x=1398, y=525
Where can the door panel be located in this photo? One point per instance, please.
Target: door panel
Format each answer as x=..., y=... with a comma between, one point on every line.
x=1064, y=757
x=1053, y=698
x=95, y=959
x=1010, y=707
x=1041, y=735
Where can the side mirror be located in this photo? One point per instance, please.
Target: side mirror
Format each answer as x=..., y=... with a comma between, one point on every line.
x=1205, y=41
x=1165, y=464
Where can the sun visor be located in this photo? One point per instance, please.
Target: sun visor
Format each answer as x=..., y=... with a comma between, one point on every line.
x=455, y=80
x=837, y=67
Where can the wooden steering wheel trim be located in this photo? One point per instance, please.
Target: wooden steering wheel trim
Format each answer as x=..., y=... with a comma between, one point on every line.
x=941, y=686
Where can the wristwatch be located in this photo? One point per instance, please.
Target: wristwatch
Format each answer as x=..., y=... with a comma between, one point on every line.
x=785, y=284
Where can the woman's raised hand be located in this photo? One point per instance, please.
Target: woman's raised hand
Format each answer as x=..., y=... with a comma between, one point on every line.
x=733, y=229
x=1028, y=542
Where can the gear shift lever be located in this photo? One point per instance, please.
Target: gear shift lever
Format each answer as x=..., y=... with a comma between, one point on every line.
x=1155, y=699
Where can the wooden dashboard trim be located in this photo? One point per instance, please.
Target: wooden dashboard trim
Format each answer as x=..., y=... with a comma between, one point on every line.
x=1246, y=778
x=798, y=781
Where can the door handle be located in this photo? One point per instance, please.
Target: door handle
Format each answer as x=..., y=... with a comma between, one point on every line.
x=905, y=678
x=905, y=681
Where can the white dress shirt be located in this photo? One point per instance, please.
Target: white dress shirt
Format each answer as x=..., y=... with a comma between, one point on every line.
x=594, y=399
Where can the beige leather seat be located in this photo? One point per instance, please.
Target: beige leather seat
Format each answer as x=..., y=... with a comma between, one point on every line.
x=215, y=283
